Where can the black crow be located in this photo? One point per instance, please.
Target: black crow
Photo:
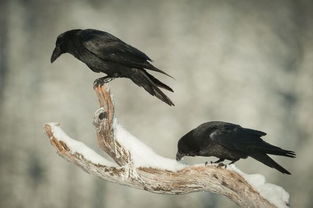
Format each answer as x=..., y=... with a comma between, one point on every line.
x=103, y=52
x=229, y=141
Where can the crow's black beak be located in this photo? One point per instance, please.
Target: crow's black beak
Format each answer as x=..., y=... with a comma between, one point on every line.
x=56, y=53
x=179, y=156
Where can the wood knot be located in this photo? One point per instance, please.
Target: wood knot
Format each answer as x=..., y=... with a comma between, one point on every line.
x=103, y=115
x=100, y=115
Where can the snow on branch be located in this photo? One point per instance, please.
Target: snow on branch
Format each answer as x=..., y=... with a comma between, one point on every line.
x=138, y=166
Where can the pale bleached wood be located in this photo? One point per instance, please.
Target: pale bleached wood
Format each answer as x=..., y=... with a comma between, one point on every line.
x=189, y=179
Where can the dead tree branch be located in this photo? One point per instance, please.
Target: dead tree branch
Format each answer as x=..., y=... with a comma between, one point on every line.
x=132, y=171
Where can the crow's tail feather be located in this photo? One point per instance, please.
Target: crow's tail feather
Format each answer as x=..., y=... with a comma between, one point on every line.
x=265, y=159
x=273, y=150
x=151, y=84
x=282, y=152
x=158, y=82
x=153, y=68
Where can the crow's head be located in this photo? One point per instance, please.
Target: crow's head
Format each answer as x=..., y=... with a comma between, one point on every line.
x=187, y=146
x=63, y=43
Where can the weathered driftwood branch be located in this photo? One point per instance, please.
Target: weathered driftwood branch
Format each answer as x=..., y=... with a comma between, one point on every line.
x=139, y=167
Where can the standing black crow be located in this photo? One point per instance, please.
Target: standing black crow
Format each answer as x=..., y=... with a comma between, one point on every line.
x=229, y=141
x=102, y=52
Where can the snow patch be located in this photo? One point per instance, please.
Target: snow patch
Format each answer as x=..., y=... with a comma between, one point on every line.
x=273, y=193
x=142, y=155
x=78, y=147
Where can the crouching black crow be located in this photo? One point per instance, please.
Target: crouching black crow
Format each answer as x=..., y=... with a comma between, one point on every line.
x=231, y=142
x=103, y=52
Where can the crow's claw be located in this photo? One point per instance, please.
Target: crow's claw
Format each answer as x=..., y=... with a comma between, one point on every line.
x=220, y=165
x=101, y=81
x=98, y=83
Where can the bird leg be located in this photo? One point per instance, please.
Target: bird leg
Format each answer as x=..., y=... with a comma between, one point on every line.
x=233, y=161
x=101, y=81
x=218, y=161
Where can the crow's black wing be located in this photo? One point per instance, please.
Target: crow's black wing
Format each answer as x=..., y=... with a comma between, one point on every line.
x=248, y=141
x=107, y=46
x=110, y=48
x=234, y=137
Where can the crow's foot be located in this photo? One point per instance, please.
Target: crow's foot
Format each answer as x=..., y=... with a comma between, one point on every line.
x=101, y=81
x=218, y=161
x=233, y=161
x=220, y=165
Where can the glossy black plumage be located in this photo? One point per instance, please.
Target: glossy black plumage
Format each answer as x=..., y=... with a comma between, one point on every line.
x=231, y=142
x=103, y=52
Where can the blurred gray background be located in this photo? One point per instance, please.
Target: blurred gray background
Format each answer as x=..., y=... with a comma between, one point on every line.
x=243, y=61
